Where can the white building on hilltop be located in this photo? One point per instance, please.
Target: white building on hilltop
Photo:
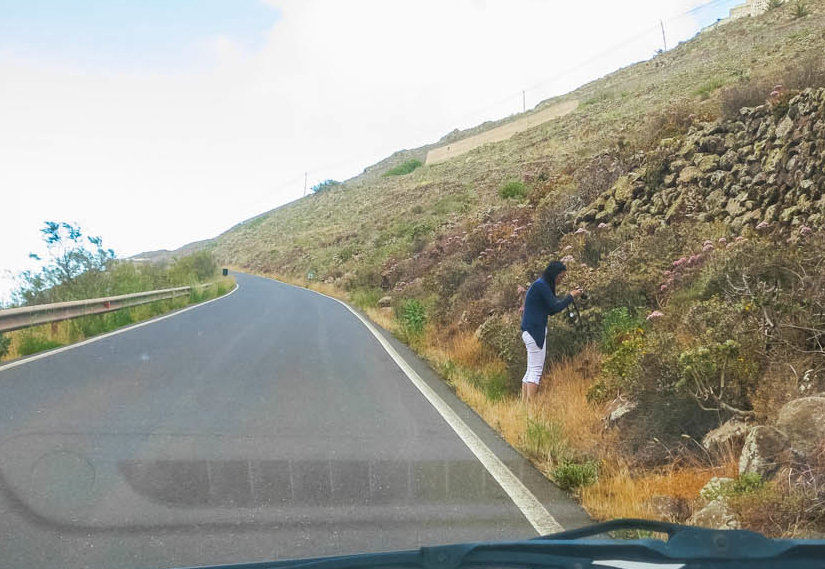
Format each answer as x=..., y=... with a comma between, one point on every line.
x=750, y=8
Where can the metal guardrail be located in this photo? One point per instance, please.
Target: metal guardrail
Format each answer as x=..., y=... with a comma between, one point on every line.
x=26, y=316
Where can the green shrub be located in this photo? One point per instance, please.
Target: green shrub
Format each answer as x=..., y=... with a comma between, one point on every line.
x=413, y=318
x=31, y=344
x=617, y=325
x=404, y=168
x=800, y=9
x=496, y=386
x=198, y=267
x=513, y=189
x=620, y=366
x=502, y=336
x=365, y=298
x=571, y=475
x=447, y=277
x=325, y=186
x=545, y=441
x=774, y=4
x=708, y=87
x=750, y=93
x=740, y=486
x=4, y=345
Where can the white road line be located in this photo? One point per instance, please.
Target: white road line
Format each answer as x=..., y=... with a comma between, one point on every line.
x=535, y=512
x=20, y=362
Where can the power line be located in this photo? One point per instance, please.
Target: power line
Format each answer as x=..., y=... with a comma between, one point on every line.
x=566, y=72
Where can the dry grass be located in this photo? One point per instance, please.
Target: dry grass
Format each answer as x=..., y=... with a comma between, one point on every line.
x=563, y=399
x=385, y=319
x=623, y=492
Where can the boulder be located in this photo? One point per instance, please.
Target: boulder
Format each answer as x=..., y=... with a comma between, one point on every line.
x=610, y=206
x=728, y=436
x=618, y=410
x=668, y=508
x=708, y=163
x=623, y=190
x=689, y=174
x=803, y=420
x=715, y=200
x=385, y=302
x=784, y=127
x=762, y=450
x=728, y=159
x=736, y=205
x=716, y=515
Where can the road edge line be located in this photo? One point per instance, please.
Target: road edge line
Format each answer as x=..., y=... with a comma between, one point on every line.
x=532, y=509
x=42, y=355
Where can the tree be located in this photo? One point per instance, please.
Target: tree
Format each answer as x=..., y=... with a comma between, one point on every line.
x=325, y=185
x=66, y=272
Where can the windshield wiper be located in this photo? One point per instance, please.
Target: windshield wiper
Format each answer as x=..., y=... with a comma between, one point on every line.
x=686, y=546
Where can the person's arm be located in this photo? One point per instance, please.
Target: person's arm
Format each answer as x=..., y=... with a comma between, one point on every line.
x=553, y=303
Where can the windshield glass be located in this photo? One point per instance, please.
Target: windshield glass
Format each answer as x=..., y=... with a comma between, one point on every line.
x=297, y=278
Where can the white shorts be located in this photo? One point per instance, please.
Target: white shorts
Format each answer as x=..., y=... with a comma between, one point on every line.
x=535, y=358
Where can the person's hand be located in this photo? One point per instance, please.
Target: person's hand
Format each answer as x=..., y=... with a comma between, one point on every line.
x=576, y=293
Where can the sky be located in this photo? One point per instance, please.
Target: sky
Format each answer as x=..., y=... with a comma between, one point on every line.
x=155, y=123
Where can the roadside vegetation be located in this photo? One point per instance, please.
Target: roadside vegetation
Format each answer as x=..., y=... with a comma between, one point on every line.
x=78, y=267
x=697, y=228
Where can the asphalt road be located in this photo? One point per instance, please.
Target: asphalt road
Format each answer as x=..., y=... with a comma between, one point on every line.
x=266, y=424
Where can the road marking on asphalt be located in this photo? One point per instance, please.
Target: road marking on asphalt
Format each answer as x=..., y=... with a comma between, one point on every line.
x=535, y=512
x=20, y=362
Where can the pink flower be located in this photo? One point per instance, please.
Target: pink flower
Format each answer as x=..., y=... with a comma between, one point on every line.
x=760, y=225
x=663, y=287
x=707, y=242
x=707, y=248
x=581, y=230
x=603, y=225
x=805, y=230
x=521, y=289
x=774, y=93
x=520, y=310
x=584, y=266
x=740, y=238
x=567, y=248
x=654, y=314
x=567, y=259
x=722, y=240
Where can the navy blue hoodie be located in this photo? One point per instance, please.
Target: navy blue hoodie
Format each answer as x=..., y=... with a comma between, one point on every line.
x=540, y=303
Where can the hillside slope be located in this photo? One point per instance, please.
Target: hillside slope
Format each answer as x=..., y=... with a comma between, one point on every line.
x=686, y=194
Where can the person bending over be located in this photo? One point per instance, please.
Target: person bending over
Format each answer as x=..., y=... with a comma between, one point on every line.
x=541, y=301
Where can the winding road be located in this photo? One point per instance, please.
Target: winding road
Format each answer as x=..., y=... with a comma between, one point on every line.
x=269, y=423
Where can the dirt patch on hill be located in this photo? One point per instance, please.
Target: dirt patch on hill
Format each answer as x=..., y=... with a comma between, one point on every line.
x=503, y=132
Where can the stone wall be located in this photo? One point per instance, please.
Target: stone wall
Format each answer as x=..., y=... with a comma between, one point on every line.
x=765, y=169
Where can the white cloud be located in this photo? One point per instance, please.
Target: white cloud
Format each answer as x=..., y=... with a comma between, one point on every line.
x=150, y=159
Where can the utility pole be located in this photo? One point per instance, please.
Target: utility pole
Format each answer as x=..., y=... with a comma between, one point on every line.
x=664, y=41
x=305, y=183
x=524, y=101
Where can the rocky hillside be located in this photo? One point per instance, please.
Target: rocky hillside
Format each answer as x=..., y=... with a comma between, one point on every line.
x=765, y=169
x=685, y=193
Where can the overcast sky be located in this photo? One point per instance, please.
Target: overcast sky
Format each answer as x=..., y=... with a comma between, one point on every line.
x=154, y=123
